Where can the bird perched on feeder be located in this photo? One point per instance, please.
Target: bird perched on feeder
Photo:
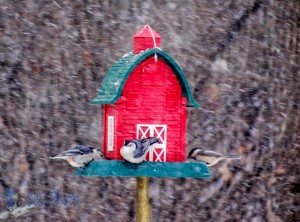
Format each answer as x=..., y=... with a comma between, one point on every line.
x=209, y=157
x=80, y=155
x=135, y=151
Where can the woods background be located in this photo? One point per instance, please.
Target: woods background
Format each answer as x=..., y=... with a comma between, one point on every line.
x=241, y=59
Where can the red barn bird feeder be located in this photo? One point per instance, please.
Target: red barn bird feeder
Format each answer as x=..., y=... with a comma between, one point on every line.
x=145, y=93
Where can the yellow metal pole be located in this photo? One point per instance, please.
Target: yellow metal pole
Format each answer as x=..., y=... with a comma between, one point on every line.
x=143, y=212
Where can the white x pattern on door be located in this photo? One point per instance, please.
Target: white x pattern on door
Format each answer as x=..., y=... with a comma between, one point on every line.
x=157, y=153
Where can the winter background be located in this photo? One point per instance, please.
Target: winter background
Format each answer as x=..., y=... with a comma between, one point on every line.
x=241, y=58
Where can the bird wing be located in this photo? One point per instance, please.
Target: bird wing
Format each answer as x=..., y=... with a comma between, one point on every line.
x=215, y=154
x=78, y=150
x=142, y=146
x=212, y=153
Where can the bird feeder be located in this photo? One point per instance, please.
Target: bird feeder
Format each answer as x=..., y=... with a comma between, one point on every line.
x=145, y=93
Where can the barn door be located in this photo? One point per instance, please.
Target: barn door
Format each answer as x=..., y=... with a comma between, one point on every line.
x=158, y=152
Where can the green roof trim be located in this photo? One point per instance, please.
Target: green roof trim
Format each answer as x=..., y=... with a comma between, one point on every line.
x=113, y=83
x=118, y=168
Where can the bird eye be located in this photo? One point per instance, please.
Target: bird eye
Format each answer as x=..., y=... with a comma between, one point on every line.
x=126, y=142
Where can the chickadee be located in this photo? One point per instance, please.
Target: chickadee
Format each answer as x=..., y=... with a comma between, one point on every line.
x=209, y=157
x=80, y=155
x=135, y=151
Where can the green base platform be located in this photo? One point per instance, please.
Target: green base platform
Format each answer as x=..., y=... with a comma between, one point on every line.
x=109, y=168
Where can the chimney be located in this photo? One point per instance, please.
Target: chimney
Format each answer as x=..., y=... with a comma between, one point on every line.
x=145, y=38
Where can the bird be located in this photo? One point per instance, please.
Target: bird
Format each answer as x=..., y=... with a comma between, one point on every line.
x=135, y=151
x=209, y=157
x=80, y=155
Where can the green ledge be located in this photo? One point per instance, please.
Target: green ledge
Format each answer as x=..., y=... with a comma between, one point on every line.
x=109, y=168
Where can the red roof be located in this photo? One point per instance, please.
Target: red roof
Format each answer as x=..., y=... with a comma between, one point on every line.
x=146, y=32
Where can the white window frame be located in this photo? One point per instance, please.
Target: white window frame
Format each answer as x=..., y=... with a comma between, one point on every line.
x=110, y=133
x=161, y=135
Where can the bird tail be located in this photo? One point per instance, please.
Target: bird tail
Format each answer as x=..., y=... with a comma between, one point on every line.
x=234, y=157
x=153, y=140
x=58, y=157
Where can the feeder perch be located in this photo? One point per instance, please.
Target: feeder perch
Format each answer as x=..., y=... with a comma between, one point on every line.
x=107, y=168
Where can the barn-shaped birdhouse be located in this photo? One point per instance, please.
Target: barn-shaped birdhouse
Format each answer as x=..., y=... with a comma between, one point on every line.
x=145, y=93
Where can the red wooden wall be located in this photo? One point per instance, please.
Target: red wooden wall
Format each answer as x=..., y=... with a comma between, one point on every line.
x=151, y=95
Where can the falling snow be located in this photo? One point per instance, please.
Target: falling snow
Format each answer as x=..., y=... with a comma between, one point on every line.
x=241, y=59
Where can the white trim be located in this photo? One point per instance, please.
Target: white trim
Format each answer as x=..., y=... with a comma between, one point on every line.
x=157, y=153
x=110, y=133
